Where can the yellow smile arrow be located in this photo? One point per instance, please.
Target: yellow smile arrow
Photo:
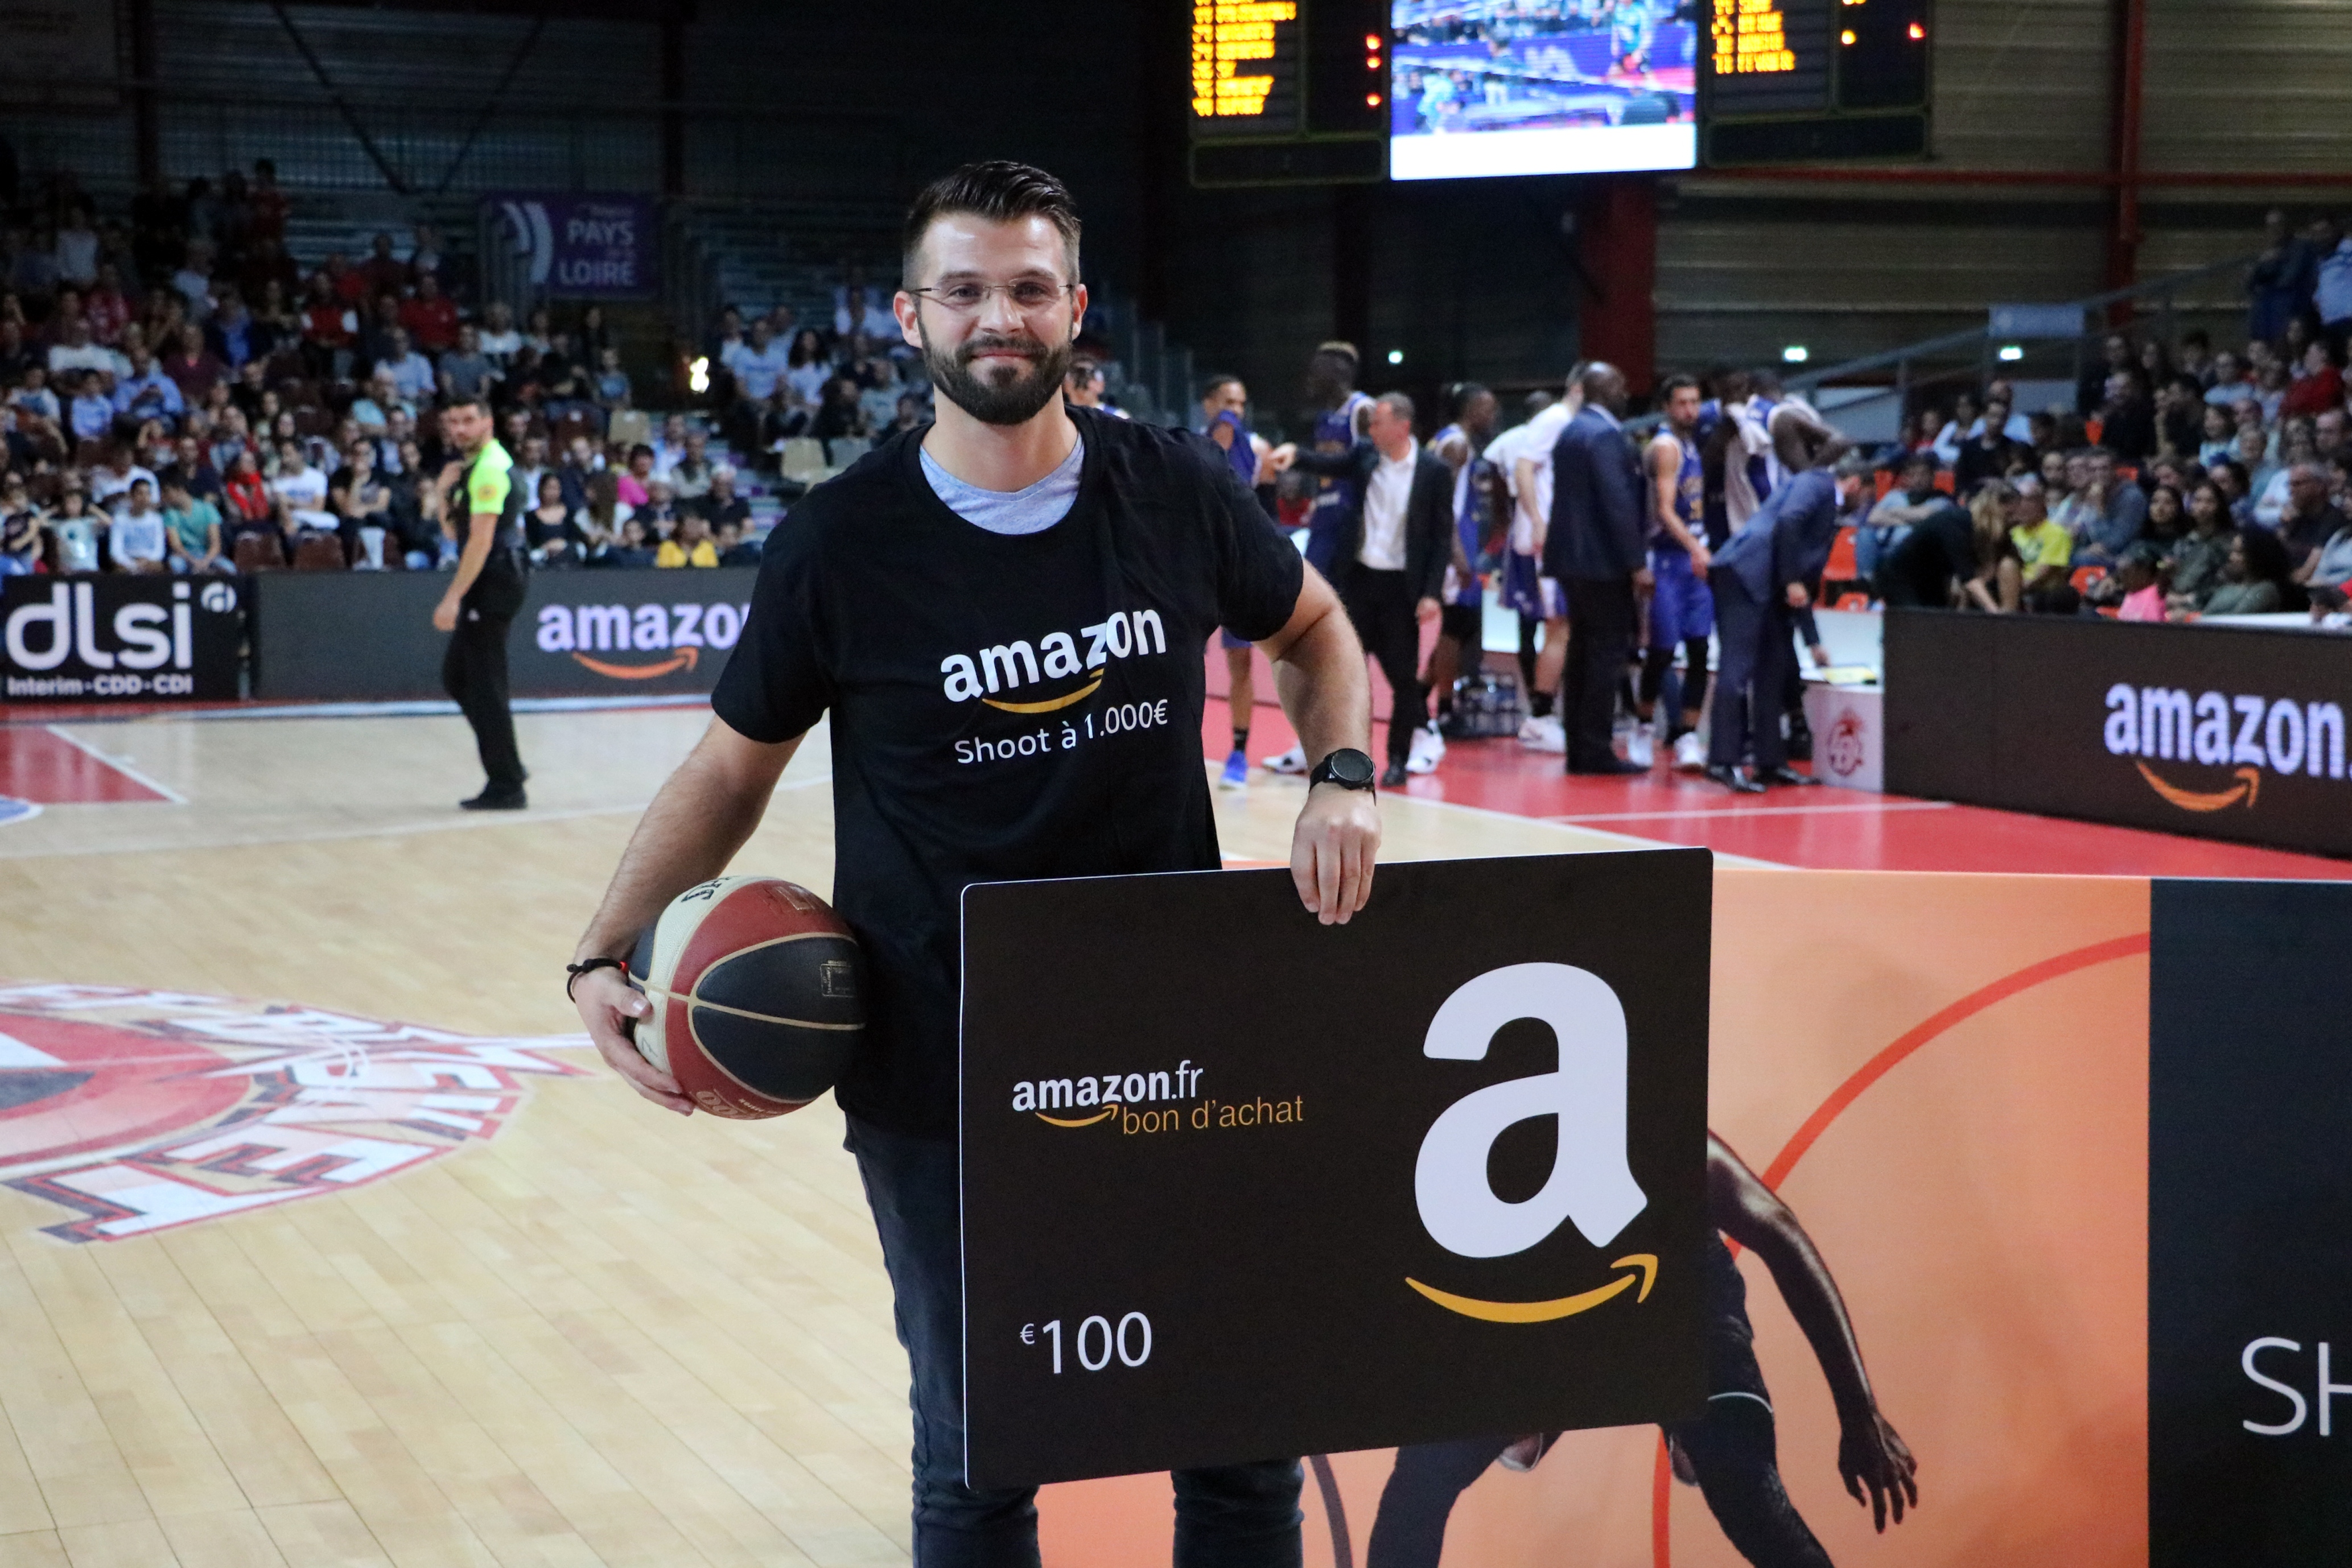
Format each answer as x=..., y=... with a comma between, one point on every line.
x=1546, y=1311
x=1081, y=694
x=2249, y=784
x=1109, y=1110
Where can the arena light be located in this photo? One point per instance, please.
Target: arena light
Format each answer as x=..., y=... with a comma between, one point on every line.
x=1396, y=356
x=1846, y=37
x=1795, y=354
x=2012, y=352
x=698, y=375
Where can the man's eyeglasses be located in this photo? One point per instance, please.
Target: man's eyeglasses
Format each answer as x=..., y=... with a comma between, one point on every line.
x=1028, y=295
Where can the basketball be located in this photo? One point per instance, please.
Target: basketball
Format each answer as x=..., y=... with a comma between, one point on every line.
x=758, y=993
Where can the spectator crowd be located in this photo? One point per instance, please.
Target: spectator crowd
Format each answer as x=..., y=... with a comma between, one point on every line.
x=2184, y=481
x=178, y=394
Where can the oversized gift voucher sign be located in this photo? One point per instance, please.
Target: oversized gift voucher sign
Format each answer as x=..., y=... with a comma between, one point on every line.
x=1240, y=1184
x=2072, y=1150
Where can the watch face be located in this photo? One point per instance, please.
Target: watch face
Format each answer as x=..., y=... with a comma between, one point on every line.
x=1350, y=767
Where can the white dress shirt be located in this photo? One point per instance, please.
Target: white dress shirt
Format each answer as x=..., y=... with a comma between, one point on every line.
x=1385, y=495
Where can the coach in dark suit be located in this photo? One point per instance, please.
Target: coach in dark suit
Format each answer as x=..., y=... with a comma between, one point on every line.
x=1759, y=578
x=1595, y=548
x=1393, y=542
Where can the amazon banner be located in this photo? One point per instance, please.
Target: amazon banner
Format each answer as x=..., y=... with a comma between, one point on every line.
x=2224, y=732
x=1924, y=1259
x=369, y=635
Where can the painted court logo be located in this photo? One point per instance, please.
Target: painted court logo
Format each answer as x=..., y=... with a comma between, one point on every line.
x=141, y=1110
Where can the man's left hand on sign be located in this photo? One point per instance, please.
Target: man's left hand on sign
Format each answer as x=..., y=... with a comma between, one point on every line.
x=1332, y=849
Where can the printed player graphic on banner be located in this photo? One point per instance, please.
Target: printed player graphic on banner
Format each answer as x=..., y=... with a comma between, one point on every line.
x=144, y=1110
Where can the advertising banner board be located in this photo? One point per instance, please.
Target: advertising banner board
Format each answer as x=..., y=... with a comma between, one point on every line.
x=118, y=638
x=362, y=635
x=1318, y=1187
x=2224, y=732
x=583, y=245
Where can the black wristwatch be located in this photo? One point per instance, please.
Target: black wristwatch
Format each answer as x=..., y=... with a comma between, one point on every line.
x=1346, y=767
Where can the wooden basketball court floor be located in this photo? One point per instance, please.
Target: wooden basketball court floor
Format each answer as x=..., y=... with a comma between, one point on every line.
x=583, y=1332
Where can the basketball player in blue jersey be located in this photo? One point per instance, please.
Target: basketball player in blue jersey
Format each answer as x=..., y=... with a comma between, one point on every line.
x=1460, y=646
x=1682, y=608
x=1340, y=425
x=1224, y=420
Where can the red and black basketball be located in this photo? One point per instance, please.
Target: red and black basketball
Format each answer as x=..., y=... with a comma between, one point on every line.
x=757, y=992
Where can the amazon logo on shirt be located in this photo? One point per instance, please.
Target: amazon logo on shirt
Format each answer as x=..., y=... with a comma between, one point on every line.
x=1015, y=667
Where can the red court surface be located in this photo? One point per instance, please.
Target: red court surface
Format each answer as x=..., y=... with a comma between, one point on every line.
x=1822, y=829
x=40, y=765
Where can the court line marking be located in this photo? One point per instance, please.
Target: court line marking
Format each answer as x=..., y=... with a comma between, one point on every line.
x=456, y=823
x=393, y=707
x=1732, y=813
x=433, y=706
x=121, y=764
x=1631, y=841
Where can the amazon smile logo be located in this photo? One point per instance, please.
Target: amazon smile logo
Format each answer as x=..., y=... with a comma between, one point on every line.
x=1590, y=1186
x=1084, y=1099
x=2251, y=736
x=1009, y=668
x=676, y=634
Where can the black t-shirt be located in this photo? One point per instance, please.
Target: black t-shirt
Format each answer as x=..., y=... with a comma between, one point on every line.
x=734, y=509
x=1003, y=706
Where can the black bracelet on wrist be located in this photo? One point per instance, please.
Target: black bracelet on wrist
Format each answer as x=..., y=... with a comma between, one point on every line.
x=574, y=971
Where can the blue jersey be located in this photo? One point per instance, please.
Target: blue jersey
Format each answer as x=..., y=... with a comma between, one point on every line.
x=1335, y=431
x=1469, y=519
x=1759, y=466
x=1690, y=489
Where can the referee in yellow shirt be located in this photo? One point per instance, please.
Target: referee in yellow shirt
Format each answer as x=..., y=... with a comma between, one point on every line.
x=482, y=509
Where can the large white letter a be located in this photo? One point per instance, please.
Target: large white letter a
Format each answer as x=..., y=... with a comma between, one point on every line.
x=1589, y=1181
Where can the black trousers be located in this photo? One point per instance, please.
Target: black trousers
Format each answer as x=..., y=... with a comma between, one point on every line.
x=1381, y=606
x=1602, y=619
x=474, y=673
x=1758, y=650
x=1733, y=1448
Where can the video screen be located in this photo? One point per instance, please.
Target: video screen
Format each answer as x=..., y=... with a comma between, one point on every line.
x=1542, y=86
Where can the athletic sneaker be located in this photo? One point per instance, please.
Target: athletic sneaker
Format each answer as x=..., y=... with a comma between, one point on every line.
x=1641, y=747
x=1291, y=761
x=1428, y=750
x=1545, y=734
x=1690, y=751
x=1236, y=773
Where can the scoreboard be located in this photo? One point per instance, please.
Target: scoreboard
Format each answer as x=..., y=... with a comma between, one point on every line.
x=1289, y=91
x=1244, y=68
x=1335, y=91
x=1790, y=79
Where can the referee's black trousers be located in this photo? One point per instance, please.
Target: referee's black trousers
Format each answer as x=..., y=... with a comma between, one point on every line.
x=1382, y=606
x=474, y=673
